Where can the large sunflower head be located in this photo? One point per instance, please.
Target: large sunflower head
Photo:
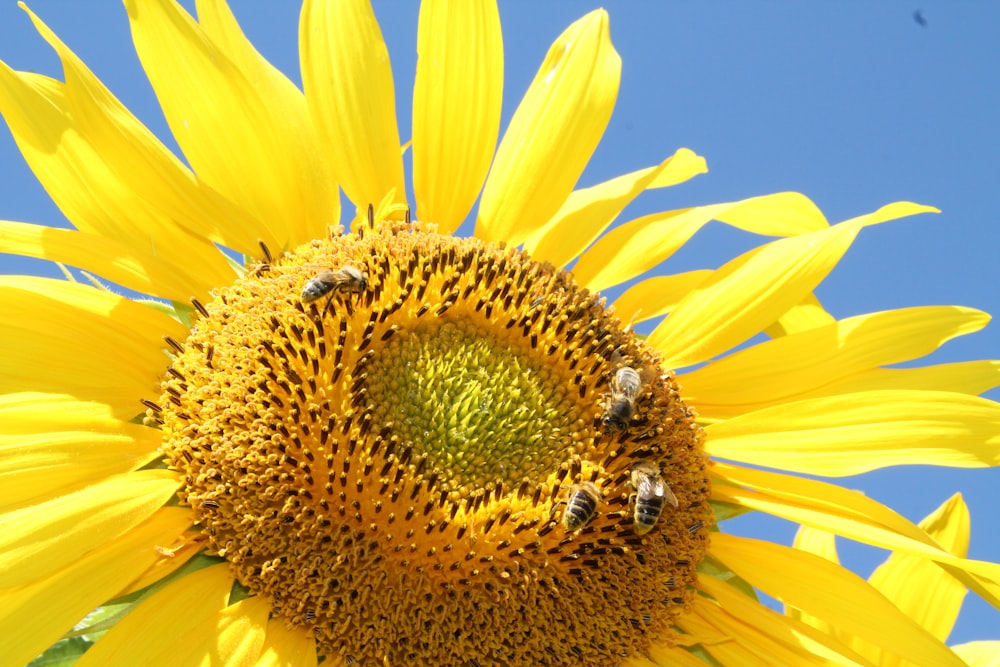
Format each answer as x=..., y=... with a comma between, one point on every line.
x=375, y=442
x=402, y=439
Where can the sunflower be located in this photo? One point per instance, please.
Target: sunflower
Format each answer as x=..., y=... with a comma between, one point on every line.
x=372, y=441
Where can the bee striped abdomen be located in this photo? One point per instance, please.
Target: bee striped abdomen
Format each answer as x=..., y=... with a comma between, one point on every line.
x=581, y=506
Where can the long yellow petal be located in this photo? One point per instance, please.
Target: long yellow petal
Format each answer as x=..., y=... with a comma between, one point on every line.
x=182, y=606
x=657, y=295
x=837, y=510
x=855, y=433
x=637, y=246
x=808, y=314
x=40, y=539
x=52, y=444
x=93, y=579
x=752, y=291
x=818, y=587
x=923, y=591
x=979, y=654
x=674, y=656
x=216, y=113
x=823, y=544
x=233, y=638
x=786, y=367
x=773, y=634
x=457, y=98
x=747, y=294
x=350, y=95
x=113, y=260
x=819, y=504
x=88, y=186
x=702, y=620
x=144, y=165
x=112, y=354
x=967, y=377
x=170, y=557
x=284, y=647
x=312, y=194
x=553, y=133
x=588, y=212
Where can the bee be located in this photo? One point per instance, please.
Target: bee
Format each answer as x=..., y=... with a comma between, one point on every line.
x=651, y=492
x=347, y=280
x=581, y=506
x=619, y=406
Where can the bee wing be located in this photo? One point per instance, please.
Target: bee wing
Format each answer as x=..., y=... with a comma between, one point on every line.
x=653, y=486
x=668, y=495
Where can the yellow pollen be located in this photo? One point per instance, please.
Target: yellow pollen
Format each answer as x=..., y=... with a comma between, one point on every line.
x=391, y=463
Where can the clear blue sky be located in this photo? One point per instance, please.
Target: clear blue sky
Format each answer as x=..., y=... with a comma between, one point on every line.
x=854, y=104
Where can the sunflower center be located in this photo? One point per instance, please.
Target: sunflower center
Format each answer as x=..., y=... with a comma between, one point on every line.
x=430, y=450
x=471, y=403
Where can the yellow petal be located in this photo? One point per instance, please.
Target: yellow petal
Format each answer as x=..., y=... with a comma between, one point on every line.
x=553, y=133
x=979, y=654
x=808, y=314
x=848, y=513
x=93, y=579
x=967, y=377
x=657, y=295
x=823, y=544
x=312, y=195
x=782, y=639
x=170, y=557
x=52, y=444
x=747, y=294
x=818, y=587
x=786, y=367
x=826, y=506
x=87, y=185
x=143, y=164
x=246, y=139
x=40, y=539
x=113, y=260
x=815, y=541
x=637, y=246
x=70, y=338
x=921, y=589
x=233, y=638
x=754, y=290
x=350, y=94
x=674, y=656
x=855, y=433
x=457, y=97
x=284, y=647
x=588, y=212
x=182, y=606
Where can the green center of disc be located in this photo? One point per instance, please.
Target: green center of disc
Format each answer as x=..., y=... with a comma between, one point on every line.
x=476, y=408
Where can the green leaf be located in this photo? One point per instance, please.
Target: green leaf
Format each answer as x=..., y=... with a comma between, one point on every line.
x=63, y=653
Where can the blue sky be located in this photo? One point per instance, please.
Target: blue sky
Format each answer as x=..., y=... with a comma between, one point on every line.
x=854, y=104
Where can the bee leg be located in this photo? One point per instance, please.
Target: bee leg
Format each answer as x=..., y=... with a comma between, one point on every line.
x=326, y=305
x=552, y=512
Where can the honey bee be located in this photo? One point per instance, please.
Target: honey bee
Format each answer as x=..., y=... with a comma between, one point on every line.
x=619, y=406
x=581, y=506
x=346, y=280
x=650, y=494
